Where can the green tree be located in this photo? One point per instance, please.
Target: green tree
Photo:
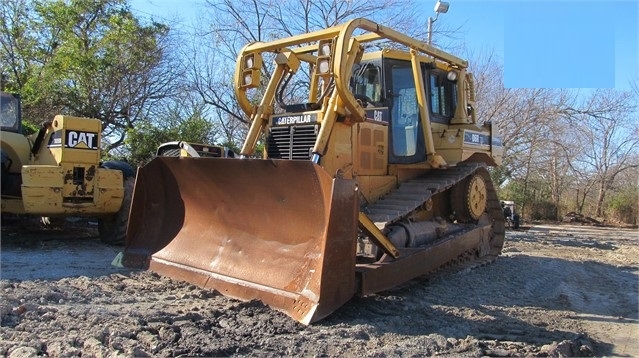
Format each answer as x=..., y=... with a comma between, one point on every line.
x=86, y=58
x=622, y=204
x=184, y=122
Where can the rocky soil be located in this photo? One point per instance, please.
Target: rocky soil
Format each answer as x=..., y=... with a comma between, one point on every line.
x=557, y=290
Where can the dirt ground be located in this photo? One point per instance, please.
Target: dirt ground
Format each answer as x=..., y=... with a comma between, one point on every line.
x=557, y=290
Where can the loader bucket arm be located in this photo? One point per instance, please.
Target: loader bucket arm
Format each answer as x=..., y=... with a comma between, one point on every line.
x=282, y=232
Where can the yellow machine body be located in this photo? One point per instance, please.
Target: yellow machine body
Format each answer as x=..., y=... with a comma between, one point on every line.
x=56, y=172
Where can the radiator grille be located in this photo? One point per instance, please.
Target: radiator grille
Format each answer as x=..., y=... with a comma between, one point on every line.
x=169, y=152
x=291, y=142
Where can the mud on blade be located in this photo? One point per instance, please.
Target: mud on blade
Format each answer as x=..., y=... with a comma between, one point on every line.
x=282, y=232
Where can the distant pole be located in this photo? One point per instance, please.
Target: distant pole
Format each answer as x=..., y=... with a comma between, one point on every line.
x=430, y=29
x=441, y=7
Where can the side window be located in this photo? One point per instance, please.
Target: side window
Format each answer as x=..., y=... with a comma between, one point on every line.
x=434, y=95
x=366, y=85
x=443, y=95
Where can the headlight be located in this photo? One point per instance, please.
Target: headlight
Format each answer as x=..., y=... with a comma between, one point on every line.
x=248, y=79
x=323, y=67
x=323, y=60
x=451, y=75
x=252, y=61
x=325, y=49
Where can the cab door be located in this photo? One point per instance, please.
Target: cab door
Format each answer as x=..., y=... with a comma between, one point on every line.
x=406, y=134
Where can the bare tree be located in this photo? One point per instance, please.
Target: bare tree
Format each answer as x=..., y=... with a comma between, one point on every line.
x=608, y=129
x=530, y=124
x=233, y=24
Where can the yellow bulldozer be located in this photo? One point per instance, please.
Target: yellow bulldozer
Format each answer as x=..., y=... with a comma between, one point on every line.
x=375, y=175
x=57, y=172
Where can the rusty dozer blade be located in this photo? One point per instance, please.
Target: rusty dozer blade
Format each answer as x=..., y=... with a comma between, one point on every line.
x=282, y=232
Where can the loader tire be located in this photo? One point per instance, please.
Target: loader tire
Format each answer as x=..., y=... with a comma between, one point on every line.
x=113, y=228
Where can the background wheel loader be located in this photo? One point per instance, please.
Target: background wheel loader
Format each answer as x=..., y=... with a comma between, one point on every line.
x=57, y=172
x=377, y=174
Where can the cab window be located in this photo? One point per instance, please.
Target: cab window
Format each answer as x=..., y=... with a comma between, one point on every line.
x=10, y=112
x=366, y=85
x=443, y=97
x=407, y=142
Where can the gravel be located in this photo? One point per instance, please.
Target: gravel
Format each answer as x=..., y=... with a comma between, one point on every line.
x=557, y=290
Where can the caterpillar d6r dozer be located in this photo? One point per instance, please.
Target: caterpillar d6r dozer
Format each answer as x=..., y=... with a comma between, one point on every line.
x=377, y=174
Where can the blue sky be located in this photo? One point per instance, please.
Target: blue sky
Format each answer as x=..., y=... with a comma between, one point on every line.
x=554, y=44
x=542, y=43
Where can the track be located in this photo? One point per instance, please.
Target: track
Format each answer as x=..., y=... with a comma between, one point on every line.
x=410, y=195
x=478, y=244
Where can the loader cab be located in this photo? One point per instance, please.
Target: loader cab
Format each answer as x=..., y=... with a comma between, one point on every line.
x=10, y=112
x=14, y=146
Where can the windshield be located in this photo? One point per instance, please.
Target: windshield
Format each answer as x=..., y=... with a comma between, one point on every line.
x=9, y=112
